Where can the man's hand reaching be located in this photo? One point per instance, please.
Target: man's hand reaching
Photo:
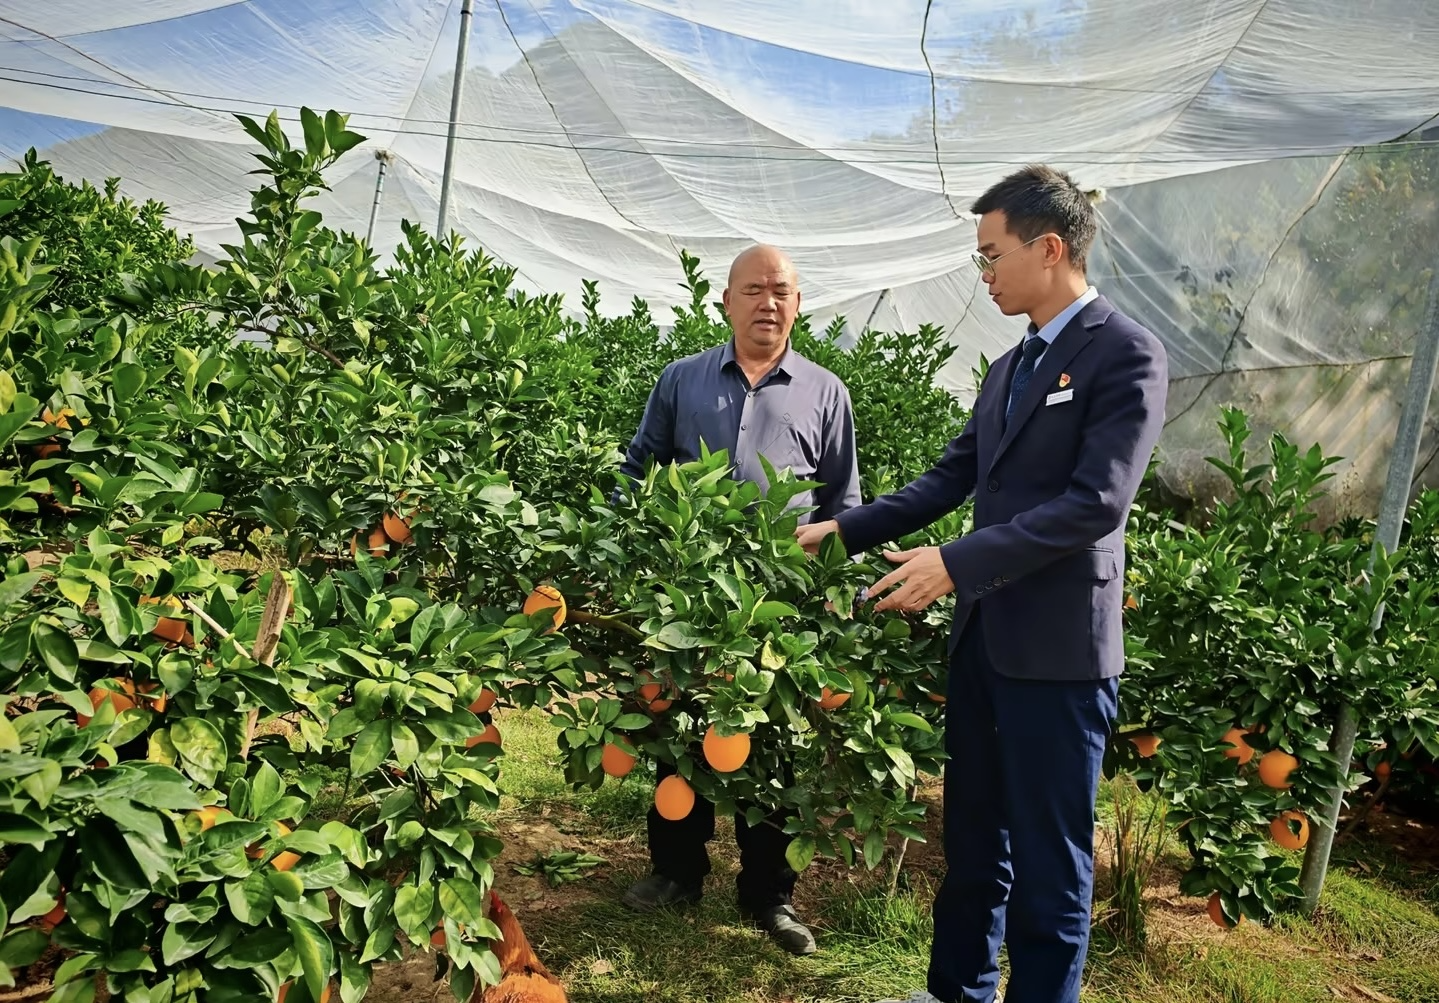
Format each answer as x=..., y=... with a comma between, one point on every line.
x=813, y=534
x=924, y=579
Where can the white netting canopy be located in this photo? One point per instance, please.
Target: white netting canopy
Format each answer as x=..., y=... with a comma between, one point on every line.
x=1249, y=219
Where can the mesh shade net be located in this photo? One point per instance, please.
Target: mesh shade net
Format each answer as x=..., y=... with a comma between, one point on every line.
x=1250, y=217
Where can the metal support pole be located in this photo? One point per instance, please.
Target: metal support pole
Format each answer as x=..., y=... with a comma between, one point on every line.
x=1392, y=508
x=466, y=12
x=384, y=157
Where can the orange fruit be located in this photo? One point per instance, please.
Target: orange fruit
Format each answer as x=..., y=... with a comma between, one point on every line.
x=1146, y=745
x=616, y=761
x=286, y=859
x=54, y=917
x=674, y=798
x=829, y=700
x=396, y=528
x=1239, y=749
x=157, y=704
x=650, y=692
x=280, y=997
x=1382, y=769
x=547, y=597
x=660, y=706
x=1216, y=913
x=726, y=753
x=209, y=815
x=167, y=628
x=1275, y=767
x=437, y=939
x=484, y=701
x=61, y=420
x=1282, y=831
x=490, y=736
x=47, y=450
x=121, y=701
x=1131, y=603
x=938, y=698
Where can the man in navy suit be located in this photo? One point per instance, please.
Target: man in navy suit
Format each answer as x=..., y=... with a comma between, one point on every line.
x=1054, y=452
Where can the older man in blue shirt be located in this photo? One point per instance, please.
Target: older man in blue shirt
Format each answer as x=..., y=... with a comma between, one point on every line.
x=753, y=396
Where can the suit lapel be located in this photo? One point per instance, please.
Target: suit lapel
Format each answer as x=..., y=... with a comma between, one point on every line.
x=1069, y=343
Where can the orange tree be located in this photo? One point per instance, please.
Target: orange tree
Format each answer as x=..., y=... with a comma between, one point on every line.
x=697, y=618
x=168, y=727
x=1245, y=637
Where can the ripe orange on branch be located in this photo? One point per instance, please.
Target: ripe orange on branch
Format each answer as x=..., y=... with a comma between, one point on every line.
x=490, y=736
x=1238, y=748
x=547, y=597
x=1275, y=766
x=122, y=700
x=674, y=798
x=830, y=700
x=1146, y=744
x=726, y=753
x=167, y=628
x=616, y=762
x=1282, y=831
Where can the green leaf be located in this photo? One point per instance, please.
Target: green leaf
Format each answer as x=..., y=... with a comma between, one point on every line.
x=406, y=745
x=631, y=722
x=354, y=979
x=107, y=850
x=287, y=884
x=678, y=636
x=800, y=852
x=414, y=904
x=460, y=900
x=250, y=900
x=314, y=126
x=265, y=789
x=22, y=829
x=23, y=410
x=773, y=610
x=23, y=947
x=909, y=720
x=371, y=747
x=873, y=848
x=202, y=749
x=57, y=650
x=259, y=948
x=316, y=953
x=117, y=614
x=17, y=587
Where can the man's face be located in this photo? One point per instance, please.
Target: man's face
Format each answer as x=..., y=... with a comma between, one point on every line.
x=762, y=300
x=1017, y=268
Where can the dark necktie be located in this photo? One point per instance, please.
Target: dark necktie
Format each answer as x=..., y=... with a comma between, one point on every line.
x=1033, y=349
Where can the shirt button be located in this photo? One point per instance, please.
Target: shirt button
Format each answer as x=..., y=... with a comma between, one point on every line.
x=994, y=485
x=743, y=427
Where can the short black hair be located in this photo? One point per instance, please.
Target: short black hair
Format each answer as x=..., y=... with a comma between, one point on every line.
x=1039, y=199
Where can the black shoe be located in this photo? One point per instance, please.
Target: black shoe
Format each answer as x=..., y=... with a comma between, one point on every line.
x=782, y=923
x=659, y=892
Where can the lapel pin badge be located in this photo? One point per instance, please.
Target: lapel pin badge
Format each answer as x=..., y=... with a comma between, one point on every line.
x=1063, y=380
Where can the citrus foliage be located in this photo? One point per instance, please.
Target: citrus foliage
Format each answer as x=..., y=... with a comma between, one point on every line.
x=215, y=782
x=1255, y=630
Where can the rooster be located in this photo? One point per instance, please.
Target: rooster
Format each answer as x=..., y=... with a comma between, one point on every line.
x=523, y=977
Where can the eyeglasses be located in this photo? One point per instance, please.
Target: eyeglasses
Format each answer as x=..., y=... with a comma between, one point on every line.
x=986, y=264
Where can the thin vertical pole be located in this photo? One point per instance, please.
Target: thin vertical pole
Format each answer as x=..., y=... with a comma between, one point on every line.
x=383, y=156
x=466, y=12
x=1395, y=503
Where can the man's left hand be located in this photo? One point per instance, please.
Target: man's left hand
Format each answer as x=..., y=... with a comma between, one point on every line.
x=924, y=576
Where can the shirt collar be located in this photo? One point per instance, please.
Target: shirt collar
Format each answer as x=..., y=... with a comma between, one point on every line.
x=1051, y=330
x=784, y=365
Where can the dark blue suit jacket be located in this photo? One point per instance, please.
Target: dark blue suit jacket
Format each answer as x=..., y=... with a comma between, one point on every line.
x=1054, y=490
